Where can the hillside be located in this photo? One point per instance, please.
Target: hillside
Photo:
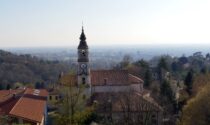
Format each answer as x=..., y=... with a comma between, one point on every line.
x=28, y=69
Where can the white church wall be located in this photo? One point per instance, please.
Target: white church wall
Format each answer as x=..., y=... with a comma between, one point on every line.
x=110, y=88
x=136, y=87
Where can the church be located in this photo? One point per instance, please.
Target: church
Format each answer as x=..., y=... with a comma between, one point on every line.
x=102, y=80
x=119, y=94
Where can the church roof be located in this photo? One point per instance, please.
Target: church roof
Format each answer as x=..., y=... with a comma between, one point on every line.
x=105, y=77
x=113, y=77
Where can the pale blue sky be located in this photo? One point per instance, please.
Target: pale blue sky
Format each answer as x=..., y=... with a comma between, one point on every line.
x=58, y=22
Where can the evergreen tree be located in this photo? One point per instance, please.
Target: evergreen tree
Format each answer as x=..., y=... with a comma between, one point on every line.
x=147, y=78
x=162, y=65
x=1, y=87
x=37, y=85
x=142, y=63
x=166, y=90
x=189, y=81
x=8, y=86
x=204, y=70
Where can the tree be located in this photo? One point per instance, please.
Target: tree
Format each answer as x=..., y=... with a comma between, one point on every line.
x=165, y=90
x=183, y=60
x=8, y=87
x=199, y=81
x=73, y=110
x=38, y=85
x=197, y=110
x=189, y=82
x=207, y=56
x=1, y=87
x=142, y=63
x=204, y=70
x=147, y=78
x=163, y=63
x=162, y=66
x=127, y=59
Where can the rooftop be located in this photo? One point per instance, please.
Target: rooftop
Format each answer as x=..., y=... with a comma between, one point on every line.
x=30, y=105
x=112, y=78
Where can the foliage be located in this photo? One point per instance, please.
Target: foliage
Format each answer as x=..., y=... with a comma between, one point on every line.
x=147, y=78
x=162, y=66
x=199, y=82
x=28, y=69
x=73, y=110
x=165, y=90
x=85, y=117
x=197, y=110
x=189, y=82
x=8, y=87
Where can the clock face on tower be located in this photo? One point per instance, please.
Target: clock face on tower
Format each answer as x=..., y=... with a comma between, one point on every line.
x=83, y=52
x=83, y=66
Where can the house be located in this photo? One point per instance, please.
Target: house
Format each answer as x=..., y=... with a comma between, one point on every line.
x=127, y=107
x=24, y=106
x=54, y=96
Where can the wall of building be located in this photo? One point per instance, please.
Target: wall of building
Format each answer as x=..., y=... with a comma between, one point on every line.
x=53, y=98
x=136, y=87
x=152, y=117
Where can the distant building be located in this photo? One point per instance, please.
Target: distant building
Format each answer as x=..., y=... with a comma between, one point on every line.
x=24, y=106
x=105, y=83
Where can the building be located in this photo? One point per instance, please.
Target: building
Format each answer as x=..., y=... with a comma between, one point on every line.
x=53, y=97
x=23, y=106
x=109, y=87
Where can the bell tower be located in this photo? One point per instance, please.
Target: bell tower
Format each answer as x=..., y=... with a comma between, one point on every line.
x=83, y=69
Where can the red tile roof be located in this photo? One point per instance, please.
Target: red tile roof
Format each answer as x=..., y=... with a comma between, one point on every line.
x=6, y=107
x=8, y=98
x=6, y=94
x=98, y=78
x=41, y=92
x=113, y=77
x=29, y=106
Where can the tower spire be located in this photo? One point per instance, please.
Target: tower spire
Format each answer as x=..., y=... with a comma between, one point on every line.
x=82, y=43
x=82, y=29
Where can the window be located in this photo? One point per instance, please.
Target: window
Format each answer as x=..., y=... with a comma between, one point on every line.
x=154, y=119
x=56, y=97
x=50, y=97
x=83, y=80
x=105, y=81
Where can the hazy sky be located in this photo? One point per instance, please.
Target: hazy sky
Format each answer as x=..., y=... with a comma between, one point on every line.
x=58, y=22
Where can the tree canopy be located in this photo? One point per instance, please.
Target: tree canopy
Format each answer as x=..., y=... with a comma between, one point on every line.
x=197, y=110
